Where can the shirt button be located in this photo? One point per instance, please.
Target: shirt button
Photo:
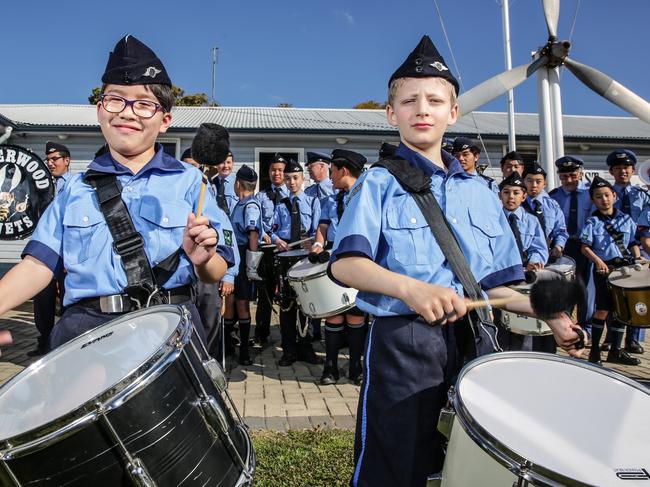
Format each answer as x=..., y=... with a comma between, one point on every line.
x=165, y=220
x=85, y=219
x=453, y=220
x=413, y=220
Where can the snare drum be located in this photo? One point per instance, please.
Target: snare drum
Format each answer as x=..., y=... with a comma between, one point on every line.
x=564, y=265
x=283, y=262
x=630, y=288
x=136, y=401
x=317, y=295
x=521, y=324
x=533, y=434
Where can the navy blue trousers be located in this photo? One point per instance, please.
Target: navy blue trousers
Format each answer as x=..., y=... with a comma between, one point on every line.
x=409, y=366
x=77, y=320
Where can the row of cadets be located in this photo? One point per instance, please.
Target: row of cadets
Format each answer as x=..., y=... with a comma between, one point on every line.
x=531, y=242
x=295, y=218
x=269, y=199
x=57, y=158
x=318, y=165
x=643, y=224
x=608, y=240
x=246, y=220
x=576, y=206
x=159, y=192
x=346, y=167
x=468, y=154
x=386, y=250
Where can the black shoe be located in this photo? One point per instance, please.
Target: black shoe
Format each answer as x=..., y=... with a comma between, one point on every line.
x=605, y=347
x=356, y=376
x=594, y=357
x=261, y=341
x=244, y=357
x=618, y=356
x=308, y=356
x=317, y=337
x=634, y=347
x=329, y=377
x=37, y=352
x=286, y=360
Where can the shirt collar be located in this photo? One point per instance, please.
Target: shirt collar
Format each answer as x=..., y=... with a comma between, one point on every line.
x=428, y=167
x=519, y=212
x=160, y=161
x=621, y=188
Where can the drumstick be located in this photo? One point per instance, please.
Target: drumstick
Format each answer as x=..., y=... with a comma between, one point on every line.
x=497, y=303
x=294, y=244
x=204, y=183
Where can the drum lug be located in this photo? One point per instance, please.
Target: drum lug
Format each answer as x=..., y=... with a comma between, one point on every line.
x=216, y=374
x=305, y=289
x=345, y=298
x=523, y=475
x=434, y=480
x=139, y=474
x=445, y=421
x=215, y=413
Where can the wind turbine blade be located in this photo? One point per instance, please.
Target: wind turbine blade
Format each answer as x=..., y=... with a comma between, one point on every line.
x=552, y=15
x=493, y=88
x=610, y=89
x=536, y=64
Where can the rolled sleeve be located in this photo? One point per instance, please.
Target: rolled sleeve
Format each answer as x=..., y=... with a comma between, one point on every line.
x=503, y=277
x=44, y=254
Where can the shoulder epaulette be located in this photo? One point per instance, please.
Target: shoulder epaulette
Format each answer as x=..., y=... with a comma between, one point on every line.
x=411, y=178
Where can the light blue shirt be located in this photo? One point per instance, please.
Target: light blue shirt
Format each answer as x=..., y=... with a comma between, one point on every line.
x=585, y=207
x=309, y=217
x=644, y=223
x=321, y=190
x=601, y=242
x=61, y=181
x=555, y=226
x=533, y=241
x=247, y=217
x=382, y=222
x=268, y=207
x=73, y=234
x=329, y=216
x=489, y=182
x=229, y=189
x=639, y=200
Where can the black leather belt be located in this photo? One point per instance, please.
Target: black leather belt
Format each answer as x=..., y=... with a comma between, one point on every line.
x=123, y=303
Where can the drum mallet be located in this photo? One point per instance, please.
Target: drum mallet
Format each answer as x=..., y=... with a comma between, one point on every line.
x=210, y=147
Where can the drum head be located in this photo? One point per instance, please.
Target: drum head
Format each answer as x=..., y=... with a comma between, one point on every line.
x=293, y=254
x=82, y=369
x=563, y=264
x=304, y=268
x=631, y=277
x=566, y=417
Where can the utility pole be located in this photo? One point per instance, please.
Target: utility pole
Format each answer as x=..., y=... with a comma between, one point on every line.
x=215, y=51
x=512, y=144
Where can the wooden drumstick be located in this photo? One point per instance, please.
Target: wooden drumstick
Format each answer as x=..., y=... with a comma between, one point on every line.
x=204, y=183
x=496, y=303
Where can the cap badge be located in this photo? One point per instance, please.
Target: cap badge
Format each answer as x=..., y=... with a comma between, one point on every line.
x=439, y=66
x=152, y=72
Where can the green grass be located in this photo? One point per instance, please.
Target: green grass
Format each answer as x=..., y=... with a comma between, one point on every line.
x=313, y=458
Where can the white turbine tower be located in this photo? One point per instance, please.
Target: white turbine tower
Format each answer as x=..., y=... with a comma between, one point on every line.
x=546, y=62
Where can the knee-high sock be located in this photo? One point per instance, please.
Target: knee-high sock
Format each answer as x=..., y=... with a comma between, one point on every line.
x=597, y=328
x=244, y=334
x=617, y=330
x=356, y=342
x=334, y=339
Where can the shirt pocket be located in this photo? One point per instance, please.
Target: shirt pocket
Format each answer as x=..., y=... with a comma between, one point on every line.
x=164, y=226
x=486, y=228
x=409, y=234
x=83, y=238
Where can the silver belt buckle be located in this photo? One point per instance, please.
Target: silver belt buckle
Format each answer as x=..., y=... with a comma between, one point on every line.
x=112, y=304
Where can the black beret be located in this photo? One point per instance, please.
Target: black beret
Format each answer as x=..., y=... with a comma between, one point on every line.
x=278, y=158
x=568, y=164
x=447, y=145
x=247, y=173
x=387, y=150
x=133, y=63
x=424, y=62
x=187, y=154
x=511, y=156
x=534, y=168
x=348, y=158
x=292, y=166
x=51, y=147
x=621, y=157
x=513, y=180
x=318, y=157
x=599, y=182
x=462, y=143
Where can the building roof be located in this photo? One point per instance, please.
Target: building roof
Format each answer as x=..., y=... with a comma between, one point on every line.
x=316, y=120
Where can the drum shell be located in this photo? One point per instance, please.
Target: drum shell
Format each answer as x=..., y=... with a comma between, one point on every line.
x=162, y=424
x=521, y=324
x=319, y=296
x=631, y=305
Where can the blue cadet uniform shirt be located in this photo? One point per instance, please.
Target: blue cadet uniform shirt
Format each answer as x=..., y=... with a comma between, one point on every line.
x=489, y=182
x=229, y=189
x=309, y=217
x=553, y=219
x=533, y=241
x=383, y=223
x=247, y=217
x=643, y=223
x=329, y=216
x=321, y=190
x=639, y=200
x=585, y=207
x=267, y=205
x=601, y=242
x=61, y=181
x=73, y=234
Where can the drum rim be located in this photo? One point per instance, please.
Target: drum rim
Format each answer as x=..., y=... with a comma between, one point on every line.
x=506, y=457
x=310, y=276
x=111, y=398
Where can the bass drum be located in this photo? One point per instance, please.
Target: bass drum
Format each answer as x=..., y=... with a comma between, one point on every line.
x=516, y=419
x=136, y=401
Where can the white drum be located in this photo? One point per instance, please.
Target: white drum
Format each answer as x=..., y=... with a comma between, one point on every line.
x=521, y=324
x=317, y=295
x=567, y=423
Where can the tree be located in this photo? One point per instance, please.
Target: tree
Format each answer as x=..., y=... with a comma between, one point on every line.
x=181, y=99
x=285, y=105
x=369, y=105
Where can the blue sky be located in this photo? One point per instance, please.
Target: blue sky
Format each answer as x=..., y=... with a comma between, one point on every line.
x=311, y=53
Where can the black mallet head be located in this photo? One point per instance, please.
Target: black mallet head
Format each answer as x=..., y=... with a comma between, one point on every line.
x=550, y=297
x=211, y=144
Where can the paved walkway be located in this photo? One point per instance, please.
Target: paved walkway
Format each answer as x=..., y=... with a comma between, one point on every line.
x=267, y=396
